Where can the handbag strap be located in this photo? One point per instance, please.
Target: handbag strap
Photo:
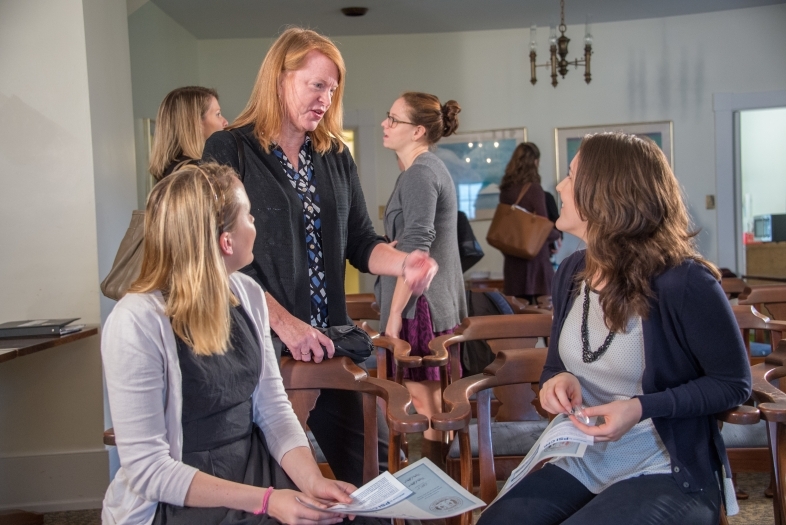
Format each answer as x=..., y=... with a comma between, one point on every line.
x=522, y=193
x=241, y=154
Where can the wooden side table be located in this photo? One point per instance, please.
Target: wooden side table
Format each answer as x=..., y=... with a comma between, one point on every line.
x=12, y=348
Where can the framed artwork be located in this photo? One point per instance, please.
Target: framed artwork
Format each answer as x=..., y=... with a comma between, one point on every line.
x=567, y=140
x=476, y=162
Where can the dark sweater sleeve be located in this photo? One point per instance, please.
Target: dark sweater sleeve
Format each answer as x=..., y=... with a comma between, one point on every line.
x=361, y=237
x=222, y=148
x=694, y=307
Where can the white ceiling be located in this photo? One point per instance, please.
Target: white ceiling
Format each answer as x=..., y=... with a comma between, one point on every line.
x=266, y=18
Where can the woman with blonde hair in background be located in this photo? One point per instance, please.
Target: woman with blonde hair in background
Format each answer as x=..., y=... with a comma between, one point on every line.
x=204, y=430
x=304, y=188
x=527, y=278
x=645, y=341
x=421, y=215
x=186, y=119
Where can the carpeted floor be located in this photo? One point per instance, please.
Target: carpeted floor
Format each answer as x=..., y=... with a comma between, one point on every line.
x=756, y=510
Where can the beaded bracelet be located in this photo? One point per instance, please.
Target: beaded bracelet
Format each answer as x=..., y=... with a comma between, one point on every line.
x=265, y=501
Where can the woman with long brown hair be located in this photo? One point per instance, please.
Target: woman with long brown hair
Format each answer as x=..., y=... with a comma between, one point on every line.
x=186, y=119
x=644, y=340
x=204, y=429
x=521, y=186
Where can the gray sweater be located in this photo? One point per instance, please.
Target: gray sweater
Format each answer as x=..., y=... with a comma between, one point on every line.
x=421, y=214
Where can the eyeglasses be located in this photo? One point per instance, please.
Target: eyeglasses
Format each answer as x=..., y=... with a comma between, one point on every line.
x=392, y=121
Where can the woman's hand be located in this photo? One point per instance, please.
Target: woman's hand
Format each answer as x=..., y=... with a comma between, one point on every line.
x=560, y=394
x=329, y=489
x=418, y=271
x=301, y=339
x=619, y=416
x=285, y=508
x=393, y=326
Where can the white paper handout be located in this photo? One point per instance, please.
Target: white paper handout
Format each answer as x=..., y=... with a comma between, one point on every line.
x=420, y=491
x=560, y=439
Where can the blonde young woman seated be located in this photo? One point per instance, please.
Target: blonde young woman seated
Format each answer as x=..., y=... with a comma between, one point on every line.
x=203, y=423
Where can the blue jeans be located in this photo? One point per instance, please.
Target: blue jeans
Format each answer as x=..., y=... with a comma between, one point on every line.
x=551, y=496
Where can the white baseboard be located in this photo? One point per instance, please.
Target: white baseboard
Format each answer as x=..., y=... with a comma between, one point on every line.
x=54, y=482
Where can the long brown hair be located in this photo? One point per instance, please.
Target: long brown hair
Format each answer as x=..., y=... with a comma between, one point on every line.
x=522, y=167
x=185, y=215
x=265, y=108
x=637, y=223
x=439, y=120
x=179, y=127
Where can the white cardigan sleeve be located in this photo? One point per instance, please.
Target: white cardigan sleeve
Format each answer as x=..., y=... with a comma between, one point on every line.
x=133, y=348
x=272, y=410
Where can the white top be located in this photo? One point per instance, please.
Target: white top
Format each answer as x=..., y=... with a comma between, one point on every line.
x=614, y=376
x=146, y=399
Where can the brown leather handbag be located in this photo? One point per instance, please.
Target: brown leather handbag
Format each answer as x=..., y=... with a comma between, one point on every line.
x=128, y=261
x=515, y=231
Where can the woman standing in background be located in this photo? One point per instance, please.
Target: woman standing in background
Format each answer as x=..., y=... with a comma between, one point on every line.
x=421, y=215
x=527, y=278
x=186, y=119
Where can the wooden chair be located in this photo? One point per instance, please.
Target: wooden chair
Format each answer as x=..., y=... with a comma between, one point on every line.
x=747, y=445
x=303, y=381
x=733, y=286
x=772, y=406
x=518, y=408
x=769, y=299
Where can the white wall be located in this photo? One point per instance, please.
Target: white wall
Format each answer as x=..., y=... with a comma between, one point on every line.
x=64, y=155
x=163, y=57
x=646, y=70
x=763, y=158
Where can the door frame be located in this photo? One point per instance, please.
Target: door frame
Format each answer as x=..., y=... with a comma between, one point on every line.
x=727, y=173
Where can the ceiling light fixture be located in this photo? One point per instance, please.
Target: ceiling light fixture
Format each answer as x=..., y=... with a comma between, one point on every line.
x=559, y=46
x=354, y=11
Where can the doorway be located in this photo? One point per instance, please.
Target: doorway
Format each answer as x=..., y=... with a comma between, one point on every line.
x=761, y=137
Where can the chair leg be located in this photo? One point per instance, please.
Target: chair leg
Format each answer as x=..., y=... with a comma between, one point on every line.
x=741, y=494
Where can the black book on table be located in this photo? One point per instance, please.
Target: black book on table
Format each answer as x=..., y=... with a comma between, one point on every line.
x=35, y=327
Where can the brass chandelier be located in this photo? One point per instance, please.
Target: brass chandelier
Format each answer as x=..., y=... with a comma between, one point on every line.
x=559, y=46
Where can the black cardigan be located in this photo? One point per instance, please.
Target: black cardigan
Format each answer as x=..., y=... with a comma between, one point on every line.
x=696, y=364
x=280, y=258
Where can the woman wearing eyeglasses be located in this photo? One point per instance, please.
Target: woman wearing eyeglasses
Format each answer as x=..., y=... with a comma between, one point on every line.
x=421, y=215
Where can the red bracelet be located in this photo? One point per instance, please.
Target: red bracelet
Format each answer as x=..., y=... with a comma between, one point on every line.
x=265, y=501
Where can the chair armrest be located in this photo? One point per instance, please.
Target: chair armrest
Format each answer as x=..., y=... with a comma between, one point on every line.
x=398, y=402
x=400, y=350
x=456, y=400
x=741, y=415
x=440, y=356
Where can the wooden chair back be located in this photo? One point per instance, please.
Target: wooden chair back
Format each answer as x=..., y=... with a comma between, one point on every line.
x=303, y=381
x=750, y=319
x=362, y=307
x=511, y=382
x=771, y=298
x=511, y=367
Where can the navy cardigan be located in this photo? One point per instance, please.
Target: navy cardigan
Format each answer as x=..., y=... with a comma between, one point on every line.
x=280, y=259
x=695, y=364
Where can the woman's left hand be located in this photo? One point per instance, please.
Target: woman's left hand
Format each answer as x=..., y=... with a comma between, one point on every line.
x=419, y=270
x=619, y=416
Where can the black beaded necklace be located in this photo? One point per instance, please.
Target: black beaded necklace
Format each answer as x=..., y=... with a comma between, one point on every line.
x=587, y=355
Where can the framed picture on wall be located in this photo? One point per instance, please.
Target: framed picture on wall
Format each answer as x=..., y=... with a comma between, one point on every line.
x=476, y=162
x=567, y=140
